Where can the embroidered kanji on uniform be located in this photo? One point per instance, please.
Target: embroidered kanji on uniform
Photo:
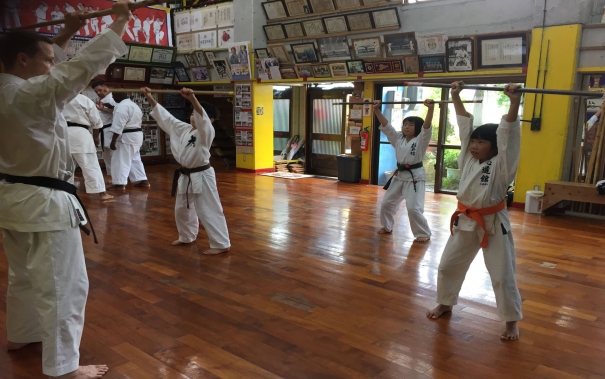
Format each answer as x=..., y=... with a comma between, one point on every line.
x=413, y=149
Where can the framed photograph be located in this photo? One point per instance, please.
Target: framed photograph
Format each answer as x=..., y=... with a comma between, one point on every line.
x=288, y=73
x=191, y=61
x=432, y=64
x=297, y=7
x=400, y=44
x=304, y=52
x=210, y=56
x=261, y=53
x=314, y=27
x=321, y=71
x=274, y=9
x=135, y=74
x=347, y=4
x=162, y=55
x=502, y=51
x=201, y=59
x=336, y=24
x=205, y=40
x=430, y=43
x=338, y=70
x=180, y=71
x=368, y=47
x=459, y=54
x=140, y=54
x=359, y=21
x=158, y=75
x=222, y=68
x=117, y=72
x=411, y=65
x=200, y=74
x=319, y=6
x=334, y=48
x=267, y=68
x=225, y=36
x=386, y=18
x=368, y=67
x=280, y=52
x=294, y=30
x=304, y=70
x=397, y=66
x=384, y=67
x=355, y=67
x=274, y=31
x=169, y=75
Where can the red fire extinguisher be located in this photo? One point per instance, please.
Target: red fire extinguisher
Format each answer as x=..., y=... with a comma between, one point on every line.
x=364, y=136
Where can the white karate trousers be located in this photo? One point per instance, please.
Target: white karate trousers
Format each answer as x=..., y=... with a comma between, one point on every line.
x=107, y=154
x=398, y=191
x=126, y=163
x=207, y=207
x=91, y=170
x=499, y=256
x=47, y=290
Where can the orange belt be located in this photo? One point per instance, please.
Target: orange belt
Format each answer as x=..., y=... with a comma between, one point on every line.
x=477, y=215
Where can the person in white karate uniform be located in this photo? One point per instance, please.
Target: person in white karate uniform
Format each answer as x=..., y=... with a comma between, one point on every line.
x=94, y=23
x=197, y=194
x=56, y=15
x=82, y=115
x=147, y=28
x=106, y=21
x=489, y=158
x=40, y=13
x=126, y=142
x=39, y=213
x=106, y=106
x=157, y=30
x=136, y=27
x=408, y=182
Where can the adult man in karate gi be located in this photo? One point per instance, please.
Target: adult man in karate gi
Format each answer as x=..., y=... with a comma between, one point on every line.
x=126, y=142
x=81, y=115
x=39, y=215
x=105, y=105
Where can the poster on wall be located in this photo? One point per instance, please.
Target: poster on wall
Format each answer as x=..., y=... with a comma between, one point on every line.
x=151, y=140
x=431, y=43
x=243, y=137
x=239, y=60
x=148, y=25
x=243, y=115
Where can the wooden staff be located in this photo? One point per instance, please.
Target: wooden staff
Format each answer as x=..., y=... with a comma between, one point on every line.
x=174, y=91
x=412, y=102
x=501, y=89
x=85, y=16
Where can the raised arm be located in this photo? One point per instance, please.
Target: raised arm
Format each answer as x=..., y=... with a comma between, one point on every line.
x=383, y=120
x=509, y=136
x=169, y=124
x=72, y=25
x=458, y=105
x=392, y=134
x=424, y=138
x=428, y=121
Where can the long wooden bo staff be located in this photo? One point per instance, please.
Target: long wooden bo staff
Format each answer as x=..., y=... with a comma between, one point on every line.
x=412, y=102
x=172, y=91
x=545, y=91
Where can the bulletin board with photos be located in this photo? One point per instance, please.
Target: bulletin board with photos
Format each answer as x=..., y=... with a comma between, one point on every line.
x=243, y=115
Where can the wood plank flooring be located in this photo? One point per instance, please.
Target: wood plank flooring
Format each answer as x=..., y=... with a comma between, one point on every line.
x=309, y=290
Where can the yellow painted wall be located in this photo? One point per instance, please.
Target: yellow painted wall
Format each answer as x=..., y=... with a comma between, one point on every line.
x=543, y=152
x=366, y=156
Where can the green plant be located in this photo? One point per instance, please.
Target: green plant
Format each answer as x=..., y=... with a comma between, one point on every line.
x=450, y=158
x=450, y=184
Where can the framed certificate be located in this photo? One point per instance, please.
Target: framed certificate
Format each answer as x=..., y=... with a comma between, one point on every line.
x=319, y=6
x=297, y=7
x=162, y=55
x=184, y=42
x=274, y=32
x=294, y=30
x=134, y=74
x=224, y=15
x=280, y=52
x=368, y=47
x=338, y=70
x=386, y=18
x=261, y=53
x=205, y=40
x=336, y=24
x=274, y=9
x=140, y=54
x=359, y=21
x=431, y=43
x=314, y=27
x=196, y=20
x=502, y=50
x=182, y=22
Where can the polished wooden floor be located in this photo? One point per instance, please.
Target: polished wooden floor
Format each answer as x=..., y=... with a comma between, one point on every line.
x=309, y=290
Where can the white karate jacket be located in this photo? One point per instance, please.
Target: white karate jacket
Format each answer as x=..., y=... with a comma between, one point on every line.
x=83, y=111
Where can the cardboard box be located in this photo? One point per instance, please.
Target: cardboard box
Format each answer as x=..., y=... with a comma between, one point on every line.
x=354, y=142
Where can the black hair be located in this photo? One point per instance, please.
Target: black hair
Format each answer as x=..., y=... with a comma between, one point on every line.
x=119, y=96
x=487, y=132
x=97, y=83
x=211, y=110
x=13, y=43
x=418, y=122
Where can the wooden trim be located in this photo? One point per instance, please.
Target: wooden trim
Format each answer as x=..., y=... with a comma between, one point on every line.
x=592, y=48
x=339, y=11
x=259, y=171
x=272, y=41
x=517, y=205
x=593, y=26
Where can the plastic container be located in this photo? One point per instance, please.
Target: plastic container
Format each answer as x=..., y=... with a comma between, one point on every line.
x=533, y=201
x=349, y=168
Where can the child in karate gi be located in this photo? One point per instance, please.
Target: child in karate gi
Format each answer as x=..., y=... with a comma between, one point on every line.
x=197, y=194
x=488, y=161
x=408, y=181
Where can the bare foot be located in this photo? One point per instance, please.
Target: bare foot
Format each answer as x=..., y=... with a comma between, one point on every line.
x=177, y=243
x=143, y=183
x=511, y=333
x=10, y=346
x=105, y=196
x=438, y=311
x=384, y=231
x=116, y=187
x=215, y=251
x=85, y=372
x=422, y=239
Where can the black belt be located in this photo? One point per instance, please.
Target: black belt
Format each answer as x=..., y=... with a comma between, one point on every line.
x=405, y=167
x=76, y=124
x=61, y=185
x=132, y=130
x=103, y=136
x=188, y=172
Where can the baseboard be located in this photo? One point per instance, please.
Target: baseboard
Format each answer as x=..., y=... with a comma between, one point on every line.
x=364, y=181
x=514, y=204
x=251, y=171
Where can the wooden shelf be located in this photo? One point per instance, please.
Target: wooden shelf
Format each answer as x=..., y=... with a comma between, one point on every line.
x=272, y=41
x=594, y=26
x=591, y=70
x=202, y=83
x=339, y=11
